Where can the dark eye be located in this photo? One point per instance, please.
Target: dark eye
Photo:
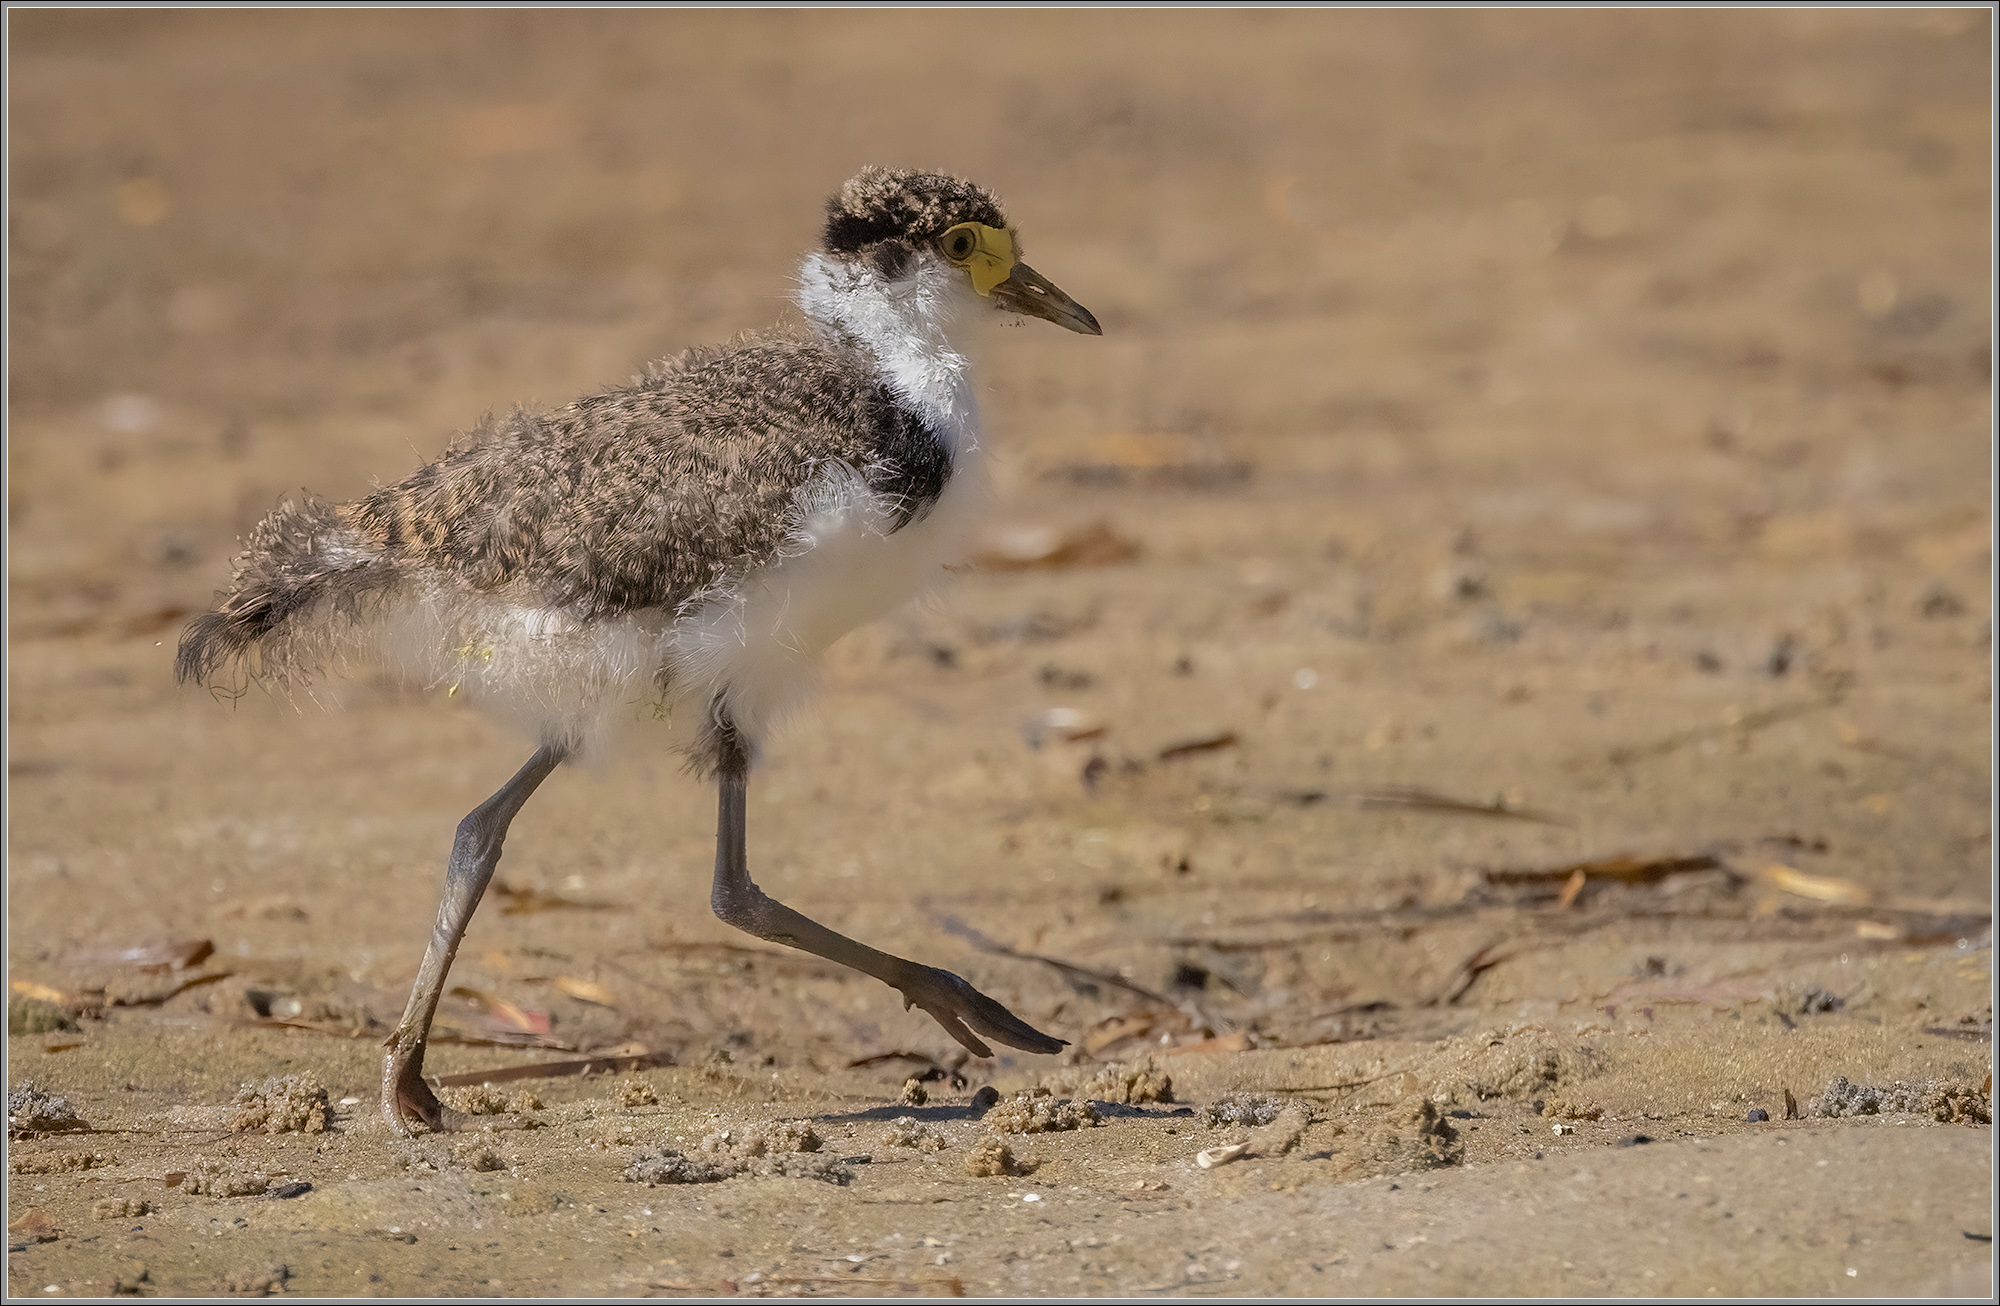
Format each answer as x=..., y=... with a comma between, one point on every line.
x=959, y=244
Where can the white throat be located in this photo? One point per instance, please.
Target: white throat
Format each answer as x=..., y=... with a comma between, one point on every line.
x=905, y=325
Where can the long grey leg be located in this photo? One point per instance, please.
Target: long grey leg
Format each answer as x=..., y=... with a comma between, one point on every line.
x=406, y=1099
x=964, y=1011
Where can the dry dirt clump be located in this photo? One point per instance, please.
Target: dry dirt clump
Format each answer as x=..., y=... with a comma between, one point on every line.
x=258, y=1280
x=633, y=1092
x=1524, y=1062
x=1433, y=1142
x=782, y=1150
x=1037, y=1111
x=1121, y=1082
x=31, y=1111
x=1563, y=1108
x=908, y=1131
x=475, y=1100
x=120, y=1208
x=668, y=1166
x=991, y=1158
x=1806, y=1000
x=478, y=1156
x=288, y=1104
x=59, y=1162
x=485, y=1100
x=26, y=1015
x=1415, y=1136
x=1949, y=1103
x=1282, y=1134
x=913, y=1093
x=1250, y=1110
x=212, y=1178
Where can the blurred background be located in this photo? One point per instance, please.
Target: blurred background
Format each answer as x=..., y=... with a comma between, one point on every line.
x=1519, y=442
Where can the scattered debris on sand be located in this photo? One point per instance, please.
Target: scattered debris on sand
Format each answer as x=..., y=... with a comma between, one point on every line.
x=1124, y=1083
x=668, y=1166
x=783, y=1150
x=1038, y=1111
x=913, y=1092
x=31, y=1111
x=58, y=1162
x=1946, y=1102
x=992, y=1158
x=908, y=1131
x=287, y=1104
x=1250, y=1110
x=215, y=1178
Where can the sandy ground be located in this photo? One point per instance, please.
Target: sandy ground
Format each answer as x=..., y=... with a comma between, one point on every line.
x=1534, y=667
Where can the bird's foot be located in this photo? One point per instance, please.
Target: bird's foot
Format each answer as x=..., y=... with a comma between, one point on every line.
x=412, y=1108
x=966, y=1013
x=406, y=1099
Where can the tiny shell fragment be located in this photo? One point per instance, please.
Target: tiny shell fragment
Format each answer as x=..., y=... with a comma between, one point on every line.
x=1216, y=1156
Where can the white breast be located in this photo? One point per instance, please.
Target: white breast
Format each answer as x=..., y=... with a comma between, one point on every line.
x=760, y=644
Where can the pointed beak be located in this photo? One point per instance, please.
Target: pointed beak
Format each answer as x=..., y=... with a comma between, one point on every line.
x=1031, y=294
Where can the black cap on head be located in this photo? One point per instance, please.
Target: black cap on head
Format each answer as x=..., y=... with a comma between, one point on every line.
x=895, y=204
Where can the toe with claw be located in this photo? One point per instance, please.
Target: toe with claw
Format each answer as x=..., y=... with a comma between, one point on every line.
x=966, y=1013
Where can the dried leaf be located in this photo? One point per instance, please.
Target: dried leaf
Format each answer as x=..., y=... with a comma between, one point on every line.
x=1118, y=1029
x=1068, y=724
x=1427, y=800
x=585, y=991
x=621, y=1064
x=1626, y=870
x=1198, y=744
x=1573, y=888
x=1824, y=888
x=30, y=989
x=505, y=1014
x=1235, y=1041
x=516, y=901
x=177, y=955
x=1017, y=548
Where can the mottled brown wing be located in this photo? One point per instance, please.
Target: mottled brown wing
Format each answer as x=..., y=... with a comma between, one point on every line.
x=646, y=495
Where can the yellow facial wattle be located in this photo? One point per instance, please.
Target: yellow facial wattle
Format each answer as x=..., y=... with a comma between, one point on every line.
x=985, y=252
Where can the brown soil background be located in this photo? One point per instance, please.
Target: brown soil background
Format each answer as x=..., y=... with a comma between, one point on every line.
x=1595, y=405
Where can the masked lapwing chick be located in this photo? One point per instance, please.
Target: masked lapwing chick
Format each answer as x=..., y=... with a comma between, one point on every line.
x=701, y=534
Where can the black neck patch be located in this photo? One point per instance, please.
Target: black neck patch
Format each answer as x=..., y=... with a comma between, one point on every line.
x=912, y=463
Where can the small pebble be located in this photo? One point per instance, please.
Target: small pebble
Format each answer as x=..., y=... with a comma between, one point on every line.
x=1758, y=1115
